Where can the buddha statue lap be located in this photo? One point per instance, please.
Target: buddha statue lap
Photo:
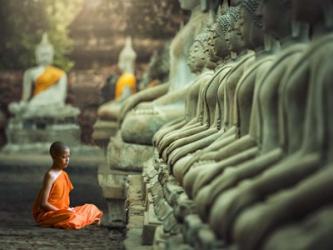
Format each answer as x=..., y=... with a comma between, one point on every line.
x=312, y=232
x=304, y=153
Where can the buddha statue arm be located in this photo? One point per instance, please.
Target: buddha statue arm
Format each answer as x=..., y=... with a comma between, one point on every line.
x=172, y=97
x=143, y=96
x=27, y=86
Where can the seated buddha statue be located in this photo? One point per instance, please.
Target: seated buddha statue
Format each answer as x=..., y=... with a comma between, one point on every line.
x=214, y=110
x=44, y=86
x=199, y=140
x=125, y=86
x=267, y=108
x=149, y=117
x=301, y=139
x=42, y=116
x=307, y=171
x=237, y=107
x=198, y=61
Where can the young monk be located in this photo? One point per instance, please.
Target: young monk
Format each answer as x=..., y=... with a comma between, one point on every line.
x=51, y=207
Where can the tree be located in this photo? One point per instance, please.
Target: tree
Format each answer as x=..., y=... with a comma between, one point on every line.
x=23, y=23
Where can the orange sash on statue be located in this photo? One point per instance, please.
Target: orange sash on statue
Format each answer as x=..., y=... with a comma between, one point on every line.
x=80, y=217
x=125, y=80
x=48, y=78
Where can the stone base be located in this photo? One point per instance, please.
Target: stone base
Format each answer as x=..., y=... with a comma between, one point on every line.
x=127, y=156
x=103, y=130
x=150, y=223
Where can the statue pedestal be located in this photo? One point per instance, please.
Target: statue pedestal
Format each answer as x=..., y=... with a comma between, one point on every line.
x=35, y=131
x=127, y=156
x=103, y=130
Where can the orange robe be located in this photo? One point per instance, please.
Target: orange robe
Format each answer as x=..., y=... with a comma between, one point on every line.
x=125, y=80
x=47, y=79
x=80, y=217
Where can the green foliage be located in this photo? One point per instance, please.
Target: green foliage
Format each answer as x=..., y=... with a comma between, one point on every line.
x=24, y=22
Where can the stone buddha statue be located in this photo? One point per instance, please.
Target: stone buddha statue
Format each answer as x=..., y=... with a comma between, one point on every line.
x=306, y=172
x=44, y=86
x=237, y=105
x=41, y=116
x=300, y=139
x=199, y=61
x=148, y=118
x=198, y=140
x=213, y=115
x=125, y=86
x=266, y=106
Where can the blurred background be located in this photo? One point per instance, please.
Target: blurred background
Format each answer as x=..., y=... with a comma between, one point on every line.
x=87, y=36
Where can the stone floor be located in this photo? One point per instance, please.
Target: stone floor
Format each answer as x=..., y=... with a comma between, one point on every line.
x=20, y=180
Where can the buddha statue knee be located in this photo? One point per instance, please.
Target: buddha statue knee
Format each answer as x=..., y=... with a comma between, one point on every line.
x=171, y=106
x=314, y=231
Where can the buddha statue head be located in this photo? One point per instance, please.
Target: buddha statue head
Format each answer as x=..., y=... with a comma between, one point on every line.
x=198, y=53
x=44, y=52
x=127, y=57
x=252, y=27
x=189, y=4
x=273, y=24
x=313, y=12
x=223, y=27
x=235, y=34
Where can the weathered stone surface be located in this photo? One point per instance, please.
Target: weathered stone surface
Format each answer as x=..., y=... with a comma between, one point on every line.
x=126, y=156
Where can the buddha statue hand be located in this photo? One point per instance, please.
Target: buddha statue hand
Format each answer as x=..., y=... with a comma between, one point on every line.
x=18, y=108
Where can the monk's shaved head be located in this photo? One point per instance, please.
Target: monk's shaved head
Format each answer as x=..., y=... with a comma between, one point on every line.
x=57, y=148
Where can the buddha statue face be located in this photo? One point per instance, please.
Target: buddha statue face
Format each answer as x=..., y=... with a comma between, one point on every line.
x=188, y=4
x=44, y=52
x=235, y=36
x=196, y=59
x=199, y=56
x=309, y=11
x=273, y=24
x=221, y=47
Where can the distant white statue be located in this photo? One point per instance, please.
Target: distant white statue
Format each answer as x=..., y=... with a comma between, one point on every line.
x=126, y=84
x=44, y=86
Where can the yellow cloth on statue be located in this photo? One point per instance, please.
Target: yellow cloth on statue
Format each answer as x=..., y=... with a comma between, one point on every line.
x=47, y=79
x=125, y=80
